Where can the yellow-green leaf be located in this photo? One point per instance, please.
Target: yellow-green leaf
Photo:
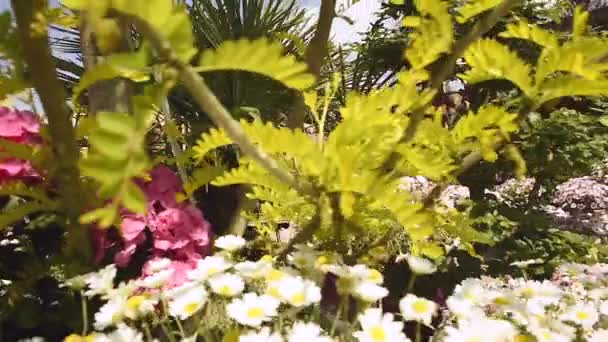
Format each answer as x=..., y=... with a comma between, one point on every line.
x=259, y=56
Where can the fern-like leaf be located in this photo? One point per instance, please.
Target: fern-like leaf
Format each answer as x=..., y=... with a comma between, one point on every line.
x=433, y=34
x=524, y=30
x=571, y=86
x=473, y=8
x=258, y=56
x=491, y=60
x=201, y=177
x=210, y=141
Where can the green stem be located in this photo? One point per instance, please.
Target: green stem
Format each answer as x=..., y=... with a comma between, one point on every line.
x=147, y=331
x=66, y=176
x=410, y=284
x=85, y=316
x=337, y=318
x=418, y=332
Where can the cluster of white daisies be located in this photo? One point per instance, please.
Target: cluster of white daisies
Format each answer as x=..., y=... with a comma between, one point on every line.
x=262, y=301
x=573, y=306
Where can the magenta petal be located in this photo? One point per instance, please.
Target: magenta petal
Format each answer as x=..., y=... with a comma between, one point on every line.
x=131, y=227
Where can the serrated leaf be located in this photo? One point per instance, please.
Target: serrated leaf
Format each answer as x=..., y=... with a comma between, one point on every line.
x=434, y=33
x=579, y=24
x=201, y=177
x=259, y=56
x=491, y=60
x=473, y=8
x=561, y=86
x=209, y=141
x=524, y=30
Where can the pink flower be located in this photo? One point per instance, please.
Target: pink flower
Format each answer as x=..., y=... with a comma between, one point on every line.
x=179, y=275
x=164, y=186
x=20, y=127
x=179, y=230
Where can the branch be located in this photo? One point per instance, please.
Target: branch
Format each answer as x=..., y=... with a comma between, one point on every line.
x=317, y=49
x=41, y=68
x=447, y=67
x=205, y=98
x=316, y=53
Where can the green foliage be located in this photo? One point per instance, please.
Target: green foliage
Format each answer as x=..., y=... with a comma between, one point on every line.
x=259, y=56
x=473, y=8
x=116, y=157
x=573, y=67
x=127, y=65
x=433, y=33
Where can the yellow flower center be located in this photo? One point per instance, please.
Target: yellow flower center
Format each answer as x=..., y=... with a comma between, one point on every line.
x=275, y=275
x=134, y=302
x=582, y=315
x=255, y=313
x=501, y=301
x=527, y=292
x=225, y=290
x=298, y=298
x=523, y=338
x=73, y=338
x=420, y=306
x=212, y=270
x=377, y=333
x=266, y=258
x=273, y=291
x=322, y=260
x=375, y=276
x=190, y=308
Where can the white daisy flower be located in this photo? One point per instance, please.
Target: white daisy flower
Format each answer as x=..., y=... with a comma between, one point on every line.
x=139, y=306
x=263, y=335
x=208, y=267
x=548, y=335
x=604, y=307
x=187, y=300
x=418, y=309
x=157, y=280
x=600, y=335
x=481, y=329
x=227, y=285
x=307, y=332
x=159, y=264
x=419, y=265
x=252, y=310
x=101, y=282
x=370, y=292
x=111, y=313
x=295, y=290
x=33, y=339
x=230, y=243
x=377, y=327
x=254, y=270
x=364, y=273
x=583, y=314
x=125, y=333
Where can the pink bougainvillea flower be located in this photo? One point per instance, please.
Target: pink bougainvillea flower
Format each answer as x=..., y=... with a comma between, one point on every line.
x=20, y=127
x=179, y=230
